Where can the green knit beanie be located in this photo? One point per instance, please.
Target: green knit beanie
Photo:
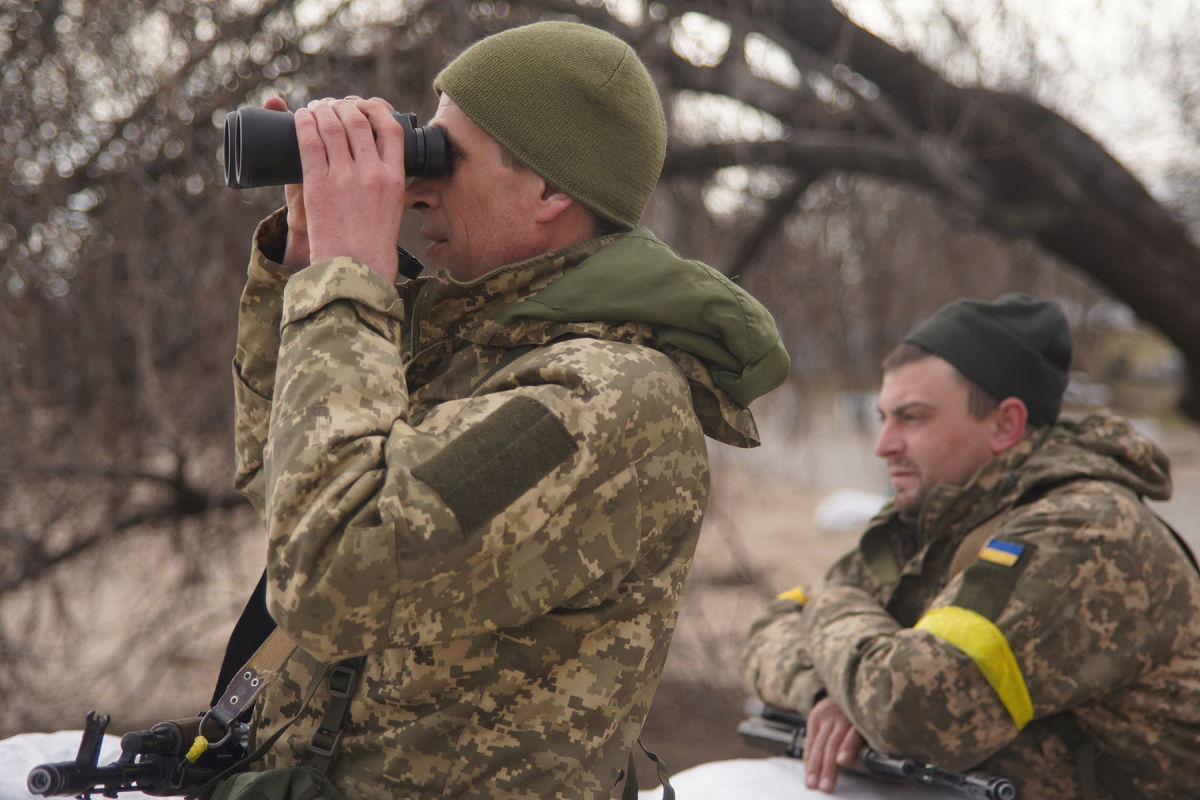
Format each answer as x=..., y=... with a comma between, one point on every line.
x=573, y=103
x=1013, y=347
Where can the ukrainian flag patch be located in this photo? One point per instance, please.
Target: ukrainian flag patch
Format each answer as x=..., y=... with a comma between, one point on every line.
x=998, y=551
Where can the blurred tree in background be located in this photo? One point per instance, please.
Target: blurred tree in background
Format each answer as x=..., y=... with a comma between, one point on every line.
x=849, y=183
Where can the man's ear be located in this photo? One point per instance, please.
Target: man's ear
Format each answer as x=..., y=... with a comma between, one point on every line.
x=552, y=204
x=1012, y=418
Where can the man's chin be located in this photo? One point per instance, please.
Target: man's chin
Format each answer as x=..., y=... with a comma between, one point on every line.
x=435, y=251
x=907, y=505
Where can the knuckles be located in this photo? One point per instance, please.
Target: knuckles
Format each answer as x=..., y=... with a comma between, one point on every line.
x=357, y=124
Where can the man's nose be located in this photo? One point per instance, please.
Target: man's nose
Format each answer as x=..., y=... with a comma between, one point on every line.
x=886, y=443
x=421, y=195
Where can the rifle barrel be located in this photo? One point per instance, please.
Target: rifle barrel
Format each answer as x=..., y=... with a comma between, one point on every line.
x=778, y=732
x=69, y=778
x=971, y=784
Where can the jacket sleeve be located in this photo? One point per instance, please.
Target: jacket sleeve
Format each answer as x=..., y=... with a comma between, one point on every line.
x=1055, y=615
x=260, y=313
x=776, y=666
x=482, y=516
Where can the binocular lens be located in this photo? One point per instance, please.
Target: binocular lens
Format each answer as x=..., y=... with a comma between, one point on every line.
x=261, y=148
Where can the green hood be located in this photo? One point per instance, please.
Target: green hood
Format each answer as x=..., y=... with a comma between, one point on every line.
x=689, y=305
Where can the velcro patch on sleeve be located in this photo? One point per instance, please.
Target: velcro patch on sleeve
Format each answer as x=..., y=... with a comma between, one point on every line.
x=482, y=471
x=988, y=583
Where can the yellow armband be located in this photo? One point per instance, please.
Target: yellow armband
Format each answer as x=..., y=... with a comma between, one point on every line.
x=980, y=639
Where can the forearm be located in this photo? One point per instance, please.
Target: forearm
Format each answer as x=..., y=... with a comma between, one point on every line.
x=775, y=666
x=907, y=691
x=340, y=390
x=260, y=313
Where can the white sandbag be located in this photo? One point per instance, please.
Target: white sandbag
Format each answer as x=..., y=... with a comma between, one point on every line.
x=778, y=778
x=847, y=510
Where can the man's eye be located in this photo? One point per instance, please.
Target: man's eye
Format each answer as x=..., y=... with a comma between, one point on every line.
x=452, y=157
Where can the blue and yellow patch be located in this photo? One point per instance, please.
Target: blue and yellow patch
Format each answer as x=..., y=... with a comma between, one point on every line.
x=998, y=551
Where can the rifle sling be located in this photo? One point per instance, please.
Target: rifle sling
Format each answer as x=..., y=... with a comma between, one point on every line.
x=260, y=669
x=326, y=740
x=206, y=790
x=630, y=790
x=1092, y=771
x=253, y=627
x=256, y=629
x=254, y=675
x=973, y=543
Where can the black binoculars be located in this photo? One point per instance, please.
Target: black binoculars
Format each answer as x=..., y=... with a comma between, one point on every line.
x=261, y=148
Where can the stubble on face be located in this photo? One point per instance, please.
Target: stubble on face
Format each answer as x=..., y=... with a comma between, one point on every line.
x=928, y=436
x=476, y=218
x=909, y=489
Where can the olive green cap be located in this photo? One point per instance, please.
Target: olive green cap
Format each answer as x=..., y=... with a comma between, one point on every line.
x=572, y=102
x=1015, y=346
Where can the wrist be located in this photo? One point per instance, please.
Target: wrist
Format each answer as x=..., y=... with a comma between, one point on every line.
x=384, y=262
x=296, y=255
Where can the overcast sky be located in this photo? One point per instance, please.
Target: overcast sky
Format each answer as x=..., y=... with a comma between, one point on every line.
x=1105, y=64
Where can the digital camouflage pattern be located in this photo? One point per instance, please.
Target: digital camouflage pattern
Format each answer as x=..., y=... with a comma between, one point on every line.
x=1101, y=612
x=501, y=517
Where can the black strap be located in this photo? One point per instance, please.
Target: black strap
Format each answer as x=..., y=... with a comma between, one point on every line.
x=327, y=738
x=252, y=629
x=207, y=789
x=1187, y=551
x=409, y=265
x=630, y=790
x=1091, y=769
x=1038, y=492
x=342, y=679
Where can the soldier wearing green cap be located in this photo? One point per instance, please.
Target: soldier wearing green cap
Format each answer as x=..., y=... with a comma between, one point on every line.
x=485, y=483
x=1015, y=608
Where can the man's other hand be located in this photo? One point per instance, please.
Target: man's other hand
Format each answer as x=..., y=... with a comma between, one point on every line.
x=830, y=743
x=352, y=153
x=296, y=252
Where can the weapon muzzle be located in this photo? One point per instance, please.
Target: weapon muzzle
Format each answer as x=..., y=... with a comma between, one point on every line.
x=52, y=779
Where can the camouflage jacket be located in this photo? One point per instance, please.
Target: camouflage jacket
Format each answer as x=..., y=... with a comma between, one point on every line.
x=1075, y=632
x=491, y=495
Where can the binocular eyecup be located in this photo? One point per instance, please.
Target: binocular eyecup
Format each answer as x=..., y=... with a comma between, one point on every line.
x=261, y=148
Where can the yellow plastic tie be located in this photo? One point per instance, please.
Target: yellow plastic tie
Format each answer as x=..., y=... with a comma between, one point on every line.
x=796, y=594
x=198, y=748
